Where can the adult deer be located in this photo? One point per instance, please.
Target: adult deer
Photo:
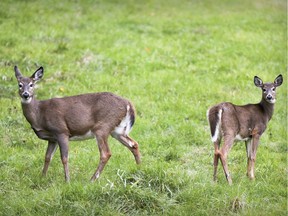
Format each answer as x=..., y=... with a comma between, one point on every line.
x=245, y=123
x=95, y=115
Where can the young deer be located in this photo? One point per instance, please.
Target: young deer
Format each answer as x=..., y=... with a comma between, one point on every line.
x=95, y=115
x=245, y=123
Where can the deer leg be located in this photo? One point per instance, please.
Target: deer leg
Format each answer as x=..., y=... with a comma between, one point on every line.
x=252, y=156
x=248, y=145
x=228, y=142
x=216, y=158
x=51, y=148
x=130, y=144
x=63, y=141
x=105, y=154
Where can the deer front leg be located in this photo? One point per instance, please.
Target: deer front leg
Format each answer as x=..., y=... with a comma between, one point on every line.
x=51, y=148
x=251, y=154
x=105, y=154
x=63, y=141
x=248, y=145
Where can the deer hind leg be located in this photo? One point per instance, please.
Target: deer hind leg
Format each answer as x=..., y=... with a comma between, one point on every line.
x=216, y=158
x=131, y=144
x=51, y=148
x=105, y=154
x=228, y=142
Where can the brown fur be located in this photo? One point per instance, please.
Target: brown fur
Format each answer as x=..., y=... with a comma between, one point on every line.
x=59, y=119
x=247, y=123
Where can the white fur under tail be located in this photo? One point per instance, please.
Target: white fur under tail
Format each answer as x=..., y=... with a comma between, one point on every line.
x=218, y=127
x=125, y=125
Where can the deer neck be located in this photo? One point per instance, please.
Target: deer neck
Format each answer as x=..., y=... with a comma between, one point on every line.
x=268, y=108
x=31, y=111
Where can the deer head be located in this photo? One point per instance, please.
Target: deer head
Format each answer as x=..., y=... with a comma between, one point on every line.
x=268, y=89
x=26, y=84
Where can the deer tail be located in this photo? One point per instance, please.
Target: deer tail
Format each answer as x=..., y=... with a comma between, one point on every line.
x=132, y=114
x=214, y=115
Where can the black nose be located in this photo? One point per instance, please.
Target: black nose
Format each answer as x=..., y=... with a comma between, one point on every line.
x=25, y=95
x=269, y=97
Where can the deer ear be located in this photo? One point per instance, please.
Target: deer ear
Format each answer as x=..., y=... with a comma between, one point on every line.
x=258, y=82
x=17, y=72
x=38, y=74
x=278, y=81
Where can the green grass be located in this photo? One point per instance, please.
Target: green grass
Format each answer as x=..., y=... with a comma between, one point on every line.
x=173, y=59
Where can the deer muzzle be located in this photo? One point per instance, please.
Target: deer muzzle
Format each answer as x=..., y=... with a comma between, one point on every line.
x=26, y=95
x=270, y=99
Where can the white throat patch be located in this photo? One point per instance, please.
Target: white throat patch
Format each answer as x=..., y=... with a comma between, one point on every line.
x=271, y=101
x=24, y=101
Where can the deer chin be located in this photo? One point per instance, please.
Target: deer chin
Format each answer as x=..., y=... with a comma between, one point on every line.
x=26, y=100
x=272, y=101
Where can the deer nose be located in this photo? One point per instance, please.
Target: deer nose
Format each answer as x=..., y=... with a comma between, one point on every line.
x=25, y=95
x=269, y=97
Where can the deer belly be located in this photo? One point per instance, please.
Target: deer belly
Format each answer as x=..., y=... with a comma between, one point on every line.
x=88, y=135
x=240, y=138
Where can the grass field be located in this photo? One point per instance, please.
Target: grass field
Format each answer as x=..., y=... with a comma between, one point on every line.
x=173, y=59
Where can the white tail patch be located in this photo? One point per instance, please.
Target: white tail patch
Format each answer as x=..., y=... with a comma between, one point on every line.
x=125, y=125
x=218, y=127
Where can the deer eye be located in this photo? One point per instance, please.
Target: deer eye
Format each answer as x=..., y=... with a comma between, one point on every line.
x=273, y=89
x=20, y=85
x=264, y=90
x=31, y=85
